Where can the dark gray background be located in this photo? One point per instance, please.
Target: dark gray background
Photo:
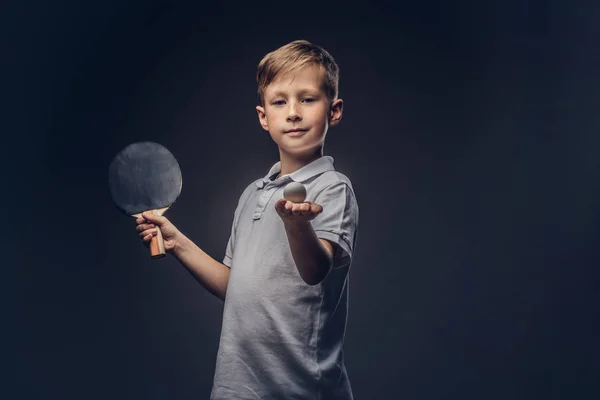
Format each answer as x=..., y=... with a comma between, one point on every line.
x=470, y=133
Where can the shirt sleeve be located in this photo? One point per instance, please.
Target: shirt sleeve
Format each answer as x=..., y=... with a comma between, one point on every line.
x=230, y=249
x=338, y=223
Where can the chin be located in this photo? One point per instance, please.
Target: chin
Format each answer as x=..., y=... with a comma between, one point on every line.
x=302, y=151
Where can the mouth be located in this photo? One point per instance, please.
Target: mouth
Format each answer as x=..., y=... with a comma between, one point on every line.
x=295, y=132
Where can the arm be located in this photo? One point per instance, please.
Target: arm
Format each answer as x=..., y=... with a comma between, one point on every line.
x=210, y=273
x=313, y=256
x=321, y=244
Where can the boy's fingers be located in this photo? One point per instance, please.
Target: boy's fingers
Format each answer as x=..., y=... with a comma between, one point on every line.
x=153, y=218
x=148, y=233
x=143, y=227
x=300, y=207
x=288, y=208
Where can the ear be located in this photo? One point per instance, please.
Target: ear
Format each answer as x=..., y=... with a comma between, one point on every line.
x=335, y=112
x=262, y=117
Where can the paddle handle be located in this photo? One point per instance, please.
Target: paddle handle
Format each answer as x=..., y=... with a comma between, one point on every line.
x=157, y=245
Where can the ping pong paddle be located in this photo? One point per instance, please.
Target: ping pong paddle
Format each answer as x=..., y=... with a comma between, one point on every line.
x=145, y=176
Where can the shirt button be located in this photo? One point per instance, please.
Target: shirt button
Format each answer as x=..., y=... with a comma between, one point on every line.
x=265, y=194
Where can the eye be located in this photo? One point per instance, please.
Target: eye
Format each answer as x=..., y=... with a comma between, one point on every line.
x=309, y=100
x=278, y=102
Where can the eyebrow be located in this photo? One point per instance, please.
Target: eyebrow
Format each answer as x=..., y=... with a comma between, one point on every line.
x=279, y=93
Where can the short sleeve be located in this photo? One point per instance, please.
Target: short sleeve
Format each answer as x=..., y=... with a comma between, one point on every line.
x=338, y=223
x=230, y=249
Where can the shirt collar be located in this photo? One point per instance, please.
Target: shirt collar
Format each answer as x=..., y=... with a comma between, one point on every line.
x=320, y=165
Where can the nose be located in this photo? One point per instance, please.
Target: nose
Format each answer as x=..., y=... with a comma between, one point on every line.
x=293, y=114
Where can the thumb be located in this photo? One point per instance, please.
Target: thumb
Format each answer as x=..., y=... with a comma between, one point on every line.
x=280, y=202
x=155, y=219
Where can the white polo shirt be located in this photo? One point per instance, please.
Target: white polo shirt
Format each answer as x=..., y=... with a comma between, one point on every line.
x=282, y=338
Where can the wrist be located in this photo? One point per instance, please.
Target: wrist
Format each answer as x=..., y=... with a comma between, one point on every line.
x=292, y=225
x=180, y=245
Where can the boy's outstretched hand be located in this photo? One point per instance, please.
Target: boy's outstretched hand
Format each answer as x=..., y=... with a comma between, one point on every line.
x=146, y=227
x=297, y=212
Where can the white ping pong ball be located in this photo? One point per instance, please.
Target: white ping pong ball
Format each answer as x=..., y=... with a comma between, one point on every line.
x=294, y=192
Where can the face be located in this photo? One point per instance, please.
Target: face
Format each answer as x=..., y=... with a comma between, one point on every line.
x=297, y=112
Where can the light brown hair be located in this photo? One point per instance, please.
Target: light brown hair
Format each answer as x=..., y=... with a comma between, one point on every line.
x=292, y=57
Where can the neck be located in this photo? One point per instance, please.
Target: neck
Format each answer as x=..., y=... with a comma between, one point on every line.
x=292, y=163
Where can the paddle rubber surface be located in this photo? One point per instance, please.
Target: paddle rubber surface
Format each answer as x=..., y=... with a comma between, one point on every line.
x=144, y=176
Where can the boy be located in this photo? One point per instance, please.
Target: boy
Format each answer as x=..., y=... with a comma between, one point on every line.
x=284, y=277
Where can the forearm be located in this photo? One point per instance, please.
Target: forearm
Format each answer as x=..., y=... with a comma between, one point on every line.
x=311, y=257
x=210, y=273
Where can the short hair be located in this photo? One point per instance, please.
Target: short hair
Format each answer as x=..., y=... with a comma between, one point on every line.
x=292, y=57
